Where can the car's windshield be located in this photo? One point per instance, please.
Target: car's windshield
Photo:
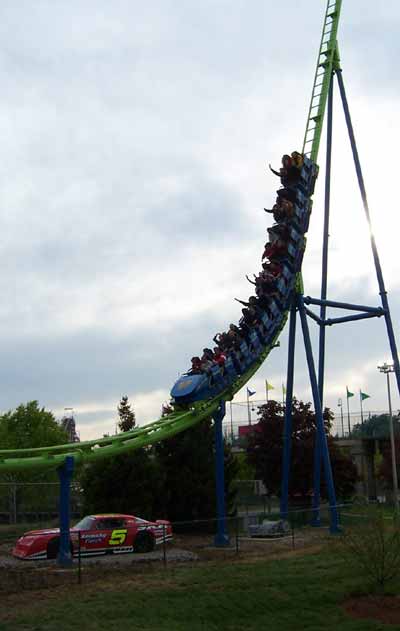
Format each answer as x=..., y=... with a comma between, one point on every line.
x=85, y=524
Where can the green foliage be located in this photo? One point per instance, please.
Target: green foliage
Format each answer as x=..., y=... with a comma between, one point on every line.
x=265, y=445
x=246, y=471
x=377, y=426
x=129, y=483
x=30, y=426
x=373, y=545
x=127, y=419
x=187, y=462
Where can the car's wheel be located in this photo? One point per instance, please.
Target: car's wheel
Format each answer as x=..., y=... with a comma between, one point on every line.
x=53, y=547
x=144, y=542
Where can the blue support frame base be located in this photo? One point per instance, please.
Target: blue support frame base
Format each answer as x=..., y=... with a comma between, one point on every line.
x=221, y=538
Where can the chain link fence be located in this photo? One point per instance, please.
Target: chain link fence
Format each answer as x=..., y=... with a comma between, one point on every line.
x=19, y=502
x=255, y=534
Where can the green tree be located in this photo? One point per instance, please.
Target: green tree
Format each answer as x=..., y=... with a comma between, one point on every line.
x=29, y=426
x=127, y=419
x=265, y=444
x=377, y=426
x=128, y=483
x=188, y=464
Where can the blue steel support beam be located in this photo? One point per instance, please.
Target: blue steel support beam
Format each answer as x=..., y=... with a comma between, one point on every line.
x=65, y=473
x=221, y=538
x=324, y=275
x=353, y=318
x=334, y=525
x=322, y=313
x=287, y=431
x=313, y=316
x=342, y=305
x=378, y=268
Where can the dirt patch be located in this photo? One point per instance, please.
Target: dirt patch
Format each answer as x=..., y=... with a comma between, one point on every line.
x=385, y=609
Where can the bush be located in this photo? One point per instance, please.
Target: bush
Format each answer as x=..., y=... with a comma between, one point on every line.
x=373, y=545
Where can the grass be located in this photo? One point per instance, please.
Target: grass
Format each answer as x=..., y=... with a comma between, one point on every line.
x=297, y=592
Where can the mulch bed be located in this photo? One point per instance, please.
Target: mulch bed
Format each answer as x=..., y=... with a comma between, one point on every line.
x=385, y=609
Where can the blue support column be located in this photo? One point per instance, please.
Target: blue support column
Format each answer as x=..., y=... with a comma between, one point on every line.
x=65, y=473
x=324, y=286
x=287, y=431
x=334, y=526
x=378, y=269
x=221, y=538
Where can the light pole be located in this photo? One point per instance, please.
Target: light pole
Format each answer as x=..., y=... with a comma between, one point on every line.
x=387, y=369
x=340, y=405
x=248, y=407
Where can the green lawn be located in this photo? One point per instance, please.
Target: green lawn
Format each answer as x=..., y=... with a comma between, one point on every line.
x=294, y=593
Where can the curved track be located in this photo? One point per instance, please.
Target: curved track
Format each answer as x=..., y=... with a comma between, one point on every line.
x=178, y=421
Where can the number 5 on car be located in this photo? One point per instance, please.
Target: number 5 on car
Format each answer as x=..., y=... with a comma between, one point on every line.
x=117, y=537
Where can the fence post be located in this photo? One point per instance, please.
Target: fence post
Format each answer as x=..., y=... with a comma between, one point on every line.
x=292, y=536
x=164, y=548
x=65, y=472
x=79, y=558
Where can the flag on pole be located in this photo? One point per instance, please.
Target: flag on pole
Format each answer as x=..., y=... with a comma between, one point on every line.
x=364, y=396
x=268, y=387
x=250, y=393
x=348, y=393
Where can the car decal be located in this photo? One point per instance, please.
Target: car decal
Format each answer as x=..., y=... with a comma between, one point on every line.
x=118, y=537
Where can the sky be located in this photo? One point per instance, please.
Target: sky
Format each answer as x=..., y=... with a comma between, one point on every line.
x=135, y=142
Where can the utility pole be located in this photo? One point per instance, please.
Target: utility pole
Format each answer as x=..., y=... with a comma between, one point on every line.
x=387, y=369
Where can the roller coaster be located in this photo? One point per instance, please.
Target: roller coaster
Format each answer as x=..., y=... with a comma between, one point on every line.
x=241, y=368
x=197, y=397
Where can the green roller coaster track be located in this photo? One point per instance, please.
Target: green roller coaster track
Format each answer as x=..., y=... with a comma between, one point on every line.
x=90, y=451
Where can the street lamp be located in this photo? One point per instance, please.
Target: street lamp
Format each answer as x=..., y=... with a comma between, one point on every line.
x=387, y=369
x=340, y=405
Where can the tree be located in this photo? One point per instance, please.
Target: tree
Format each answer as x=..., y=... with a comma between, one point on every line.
x=265, y=445
x=385, y=470
x=377, y=426
x=128, y=483
x=188, y=465
x=127, y=419
x=28, y=426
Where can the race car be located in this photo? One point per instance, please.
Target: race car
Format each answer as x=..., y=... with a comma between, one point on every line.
x=98, y=534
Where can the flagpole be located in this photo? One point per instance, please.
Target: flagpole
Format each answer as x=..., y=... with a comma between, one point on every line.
x=266, y=390
x=362, y=417
x=248, y=406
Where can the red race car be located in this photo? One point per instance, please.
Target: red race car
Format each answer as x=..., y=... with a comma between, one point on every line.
x=99, y=534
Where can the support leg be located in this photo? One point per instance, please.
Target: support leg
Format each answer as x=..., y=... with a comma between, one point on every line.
x=65, y=473
x=334, y=527
x=378, y=269
x=287, y=432
x=316, y=521
x=221, y=538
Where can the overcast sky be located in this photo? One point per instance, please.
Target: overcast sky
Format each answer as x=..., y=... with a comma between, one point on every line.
x=135, y=139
